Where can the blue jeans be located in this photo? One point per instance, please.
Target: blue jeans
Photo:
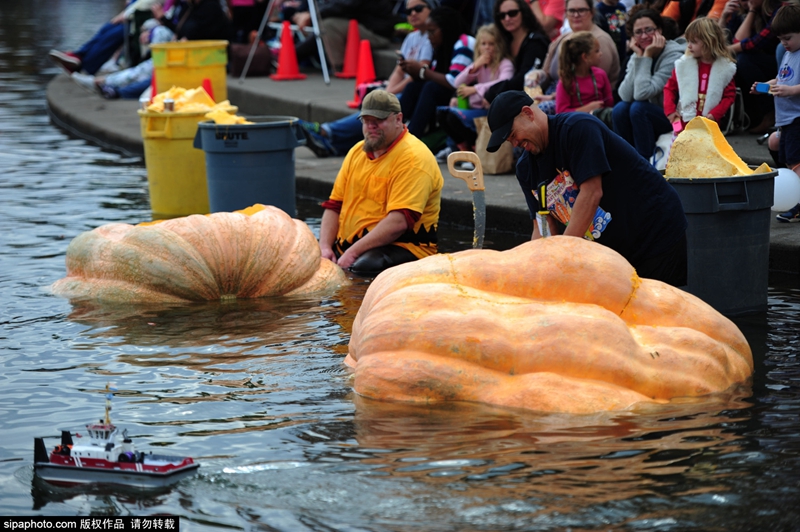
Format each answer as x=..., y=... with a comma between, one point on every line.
x=101, y=47
x=133, y=90
x=344, y=133
x=419, y=102
x=640, y=123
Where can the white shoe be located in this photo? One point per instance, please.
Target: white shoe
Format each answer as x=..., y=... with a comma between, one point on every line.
x=465, y=165
x=86, y=81
x=110, y=66
x=441, y=157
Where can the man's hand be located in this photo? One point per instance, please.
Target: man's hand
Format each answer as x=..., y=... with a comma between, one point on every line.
x=302, y=19
x=410, y=67
x=347, y=259
x=589, y=195
x=327, y=253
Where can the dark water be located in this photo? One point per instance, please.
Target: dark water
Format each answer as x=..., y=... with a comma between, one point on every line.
x=256, y=390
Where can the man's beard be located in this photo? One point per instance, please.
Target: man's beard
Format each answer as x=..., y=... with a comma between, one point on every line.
x=375, y=143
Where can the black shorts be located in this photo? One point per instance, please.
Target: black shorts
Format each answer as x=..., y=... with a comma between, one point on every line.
x=669, y=267
x=789, y=148
x=375, y=260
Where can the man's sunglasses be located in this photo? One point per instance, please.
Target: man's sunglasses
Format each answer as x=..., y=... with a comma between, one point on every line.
x=510, y=14
x=417, y=8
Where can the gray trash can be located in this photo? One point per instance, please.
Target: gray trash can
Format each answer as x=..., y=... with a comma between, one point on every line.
x=250, y=163
x=728, y=240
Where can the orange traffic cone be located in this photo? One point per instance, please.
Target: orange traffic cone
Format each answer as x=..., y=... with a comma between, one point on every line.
x=350, y=67
x=208, y=89
x=153, y=91
x=366, y=71
x=287, y=59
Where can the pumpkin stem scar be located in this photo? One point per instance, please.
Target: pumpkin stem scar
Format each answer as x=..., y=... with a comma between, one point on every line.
x=636, y=282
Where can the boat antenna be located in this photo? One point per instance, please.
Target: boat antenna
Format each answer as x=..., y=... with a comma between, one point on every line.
x=110, y=387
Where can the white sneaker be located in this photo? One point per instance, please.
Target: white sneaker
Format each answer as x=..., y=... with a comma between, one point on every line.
x=86, y=81
x=110, y=66
x=441, y=157
x=465, y=165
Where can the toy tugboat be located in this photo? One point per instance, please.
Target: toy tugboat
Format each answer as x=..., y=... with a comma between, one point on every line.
x=106, y=456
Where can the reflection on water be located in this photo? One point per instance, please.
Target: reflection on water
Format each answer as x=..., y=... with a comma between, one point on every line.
x=257, y=393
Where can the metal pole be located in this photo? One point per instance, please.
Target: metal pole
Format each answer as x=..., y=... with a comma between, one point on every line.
x=312, y=10
x=256, y=41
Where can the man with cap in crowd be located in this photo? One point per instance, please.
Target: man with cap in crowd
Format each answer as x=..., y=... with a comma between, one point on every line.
x=384, y=208
x=597, y=185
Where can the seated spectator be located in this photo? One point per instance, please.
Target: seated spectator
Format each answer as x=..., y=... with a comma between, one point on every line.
x=582, y=85
x=611, y=16
x=375, y=18
x=337, y=137
x=683, y=12
x=550, y=14
x=702, y=82
x=491, y=66
x=639, y=117
x=195, y=20
x=433, y=87
x=525, y=39
x=95, y=52
x=384, y=207
x=754, y=46
x=580, y=14
x=128, y=83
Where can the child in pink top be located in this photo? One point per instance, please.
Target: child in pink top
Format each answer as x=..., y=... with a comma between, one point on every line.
x=582, y=85
x=492, y=65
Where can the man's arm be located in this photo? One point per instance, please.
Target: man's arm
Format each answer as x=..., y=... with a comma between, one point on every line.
x=327, y=233
x=387, y=231
x=591, y=191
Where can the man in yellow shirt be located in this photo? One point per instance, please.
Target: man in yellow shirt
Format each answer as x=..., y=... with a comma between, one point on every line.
x=384, y=208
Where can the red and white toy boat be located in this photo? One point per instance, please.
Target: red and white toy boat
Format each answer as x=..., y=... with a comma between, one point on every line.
x=109, y=457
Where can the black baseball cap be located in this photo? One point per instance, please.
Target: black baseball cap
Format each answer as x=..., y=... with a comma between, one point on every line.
x=502, y=112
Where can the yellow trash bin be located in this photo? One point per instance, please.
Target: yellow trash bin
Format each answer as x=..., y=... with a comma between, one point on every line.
x=176, y=172
x=188, y=63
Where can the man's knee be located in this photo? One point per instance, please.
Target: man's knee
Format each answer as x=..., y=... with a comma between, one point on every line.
x=375, y=260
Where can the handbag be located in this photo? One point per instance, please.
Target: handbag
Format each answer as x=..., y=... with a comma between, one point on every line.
x=499, y=162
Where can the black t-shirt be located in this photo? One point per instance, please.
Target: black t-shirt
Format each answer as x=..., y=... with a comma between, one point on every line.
x=646, y=215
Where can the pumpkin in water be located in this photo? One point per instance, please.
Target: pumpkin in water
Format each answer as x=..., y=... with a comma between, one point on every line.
x=257, y=252
x=559, y=324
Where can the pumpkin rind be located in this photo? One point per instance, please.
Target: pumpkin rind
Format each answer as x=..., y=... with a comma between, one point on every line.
x=559, y=324
x=253, y=253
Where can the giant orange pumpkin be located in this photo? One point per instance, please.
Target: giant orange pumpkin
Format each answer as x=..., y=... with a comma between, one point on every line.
x=258, y=252
x=559, y=324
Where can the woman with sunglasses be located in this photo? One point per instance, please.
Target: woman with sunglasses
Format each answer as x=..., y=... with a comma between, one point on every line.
x=337, y=137
x=580, y=14
x=525, y=39
x=639, y=116
x=433, y=86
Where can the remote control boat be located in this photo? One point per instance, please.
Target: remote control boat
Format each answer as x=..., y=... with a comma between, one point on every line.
x=105, y=455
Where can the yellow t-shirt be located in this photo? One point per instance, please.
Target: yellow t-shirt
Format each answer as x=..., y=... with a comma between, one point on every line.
x=406, y=177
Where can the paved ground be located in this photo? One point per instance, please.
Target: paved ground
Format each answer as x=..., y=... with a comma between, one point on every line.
x=115, y=124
